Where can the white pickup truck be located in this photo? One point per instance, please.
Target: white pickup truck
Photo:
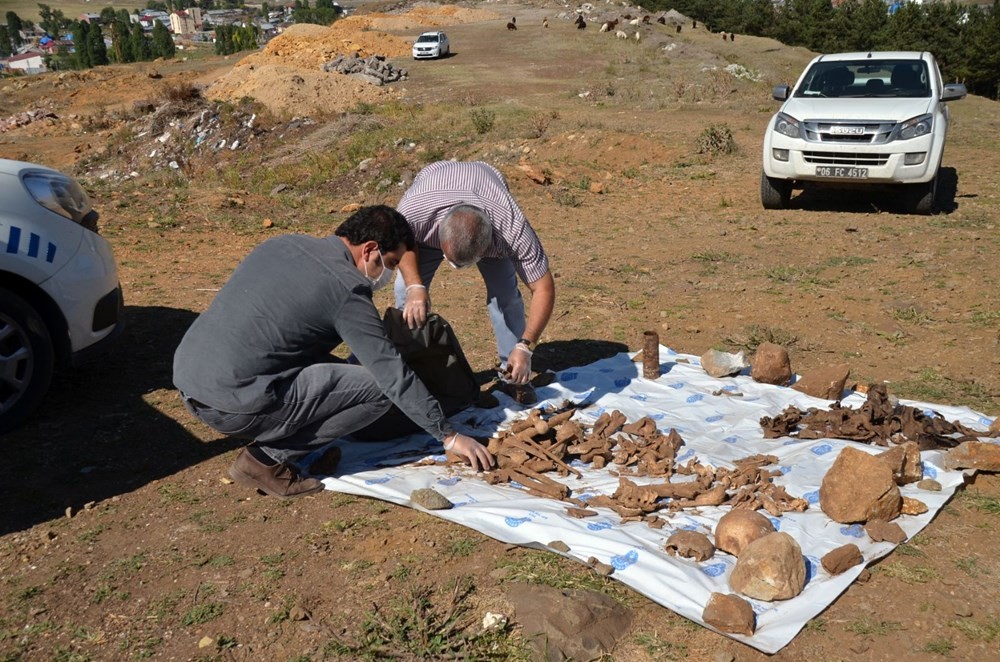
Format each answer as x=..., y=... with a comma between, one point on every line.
x=860, y=119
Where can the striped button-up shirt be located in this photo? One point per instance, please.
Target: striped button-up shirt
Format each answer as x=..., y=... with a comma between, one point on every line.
x=442, y=185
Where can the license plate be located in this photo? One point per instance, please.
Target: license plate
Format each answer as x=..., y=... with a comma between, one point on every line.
x=842, y=173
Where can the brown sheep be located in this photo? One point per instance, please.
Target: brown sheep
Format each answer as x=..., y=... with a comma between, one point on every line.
x=732, y=36
x=545, y=21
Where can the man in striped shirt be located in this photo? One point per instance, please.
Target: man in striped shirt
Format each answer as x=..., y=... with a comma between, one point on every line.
x=463, y=213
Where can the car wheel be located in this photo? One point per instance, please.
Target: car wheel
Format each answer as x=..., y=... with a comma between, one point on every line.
x=920, y=198
x=774, y=193
x=27, y=360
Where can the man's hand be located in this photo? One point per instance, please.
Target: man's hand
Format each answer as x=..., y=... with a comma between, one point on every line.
x=519, y=364
x=469, y=450
x=418, y=305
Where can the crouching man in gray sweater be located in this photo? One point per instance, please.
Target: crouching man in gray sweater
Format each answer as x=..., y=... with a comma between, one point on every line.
x=257, y=363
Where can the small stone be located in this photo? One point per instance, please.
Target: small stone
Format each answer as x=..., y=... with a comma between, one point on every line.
x=882, y=531
x=723, y=656
x=771, y=365
x=534, y=174
x=596, y=188
x=599, y=567
x=979, y=455
x=89, y=505
x=278, y=189
x=738, y=528
x=827, y=382
x=930, y=485
x=205, y=642
x=841, y=559
x=559, y=546
x=299, y=614
x=859, y=647
x=690, y=544
x=723, y=364
x=69, y=512
x=730, y=613
x=350, y=208
x=965, y=611
x=268, y=223
x=995, y=425
x=770, y=568
x=859, y=487
x=430, y=499
x=913, y=506
x=905, y=462
x=865, y=576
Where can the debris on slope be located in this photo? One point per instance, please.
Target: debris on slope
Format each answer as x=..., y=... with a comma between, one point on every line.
x=27, y=117
x=373, y=69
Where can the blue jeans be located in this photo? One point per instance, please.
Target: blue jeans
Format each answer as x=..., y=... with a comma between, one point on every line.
x=503, y=300
x=324, y=402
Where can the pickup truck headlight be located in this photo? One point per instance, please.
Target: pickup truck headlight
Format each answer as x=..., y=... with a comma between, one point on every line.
x=916, y=127
x=787, y=125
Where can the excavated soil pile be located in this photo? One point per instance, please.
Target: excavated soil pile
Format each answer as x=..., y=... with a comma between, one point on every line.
x=287, y=76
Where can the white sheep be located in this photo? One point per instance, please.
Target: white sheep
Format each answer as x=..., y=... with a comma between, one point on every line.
x=621, y=34
x=635, y=21
x=637, y=35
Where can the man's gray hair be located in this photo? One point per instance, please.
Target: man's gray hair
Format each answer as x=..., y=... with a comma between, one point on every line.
x=468, y=232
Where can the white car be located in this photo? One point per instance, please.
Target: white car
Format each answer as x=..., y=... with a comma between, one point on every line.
x=860, y=119
x=431, y=45
x=59, y=294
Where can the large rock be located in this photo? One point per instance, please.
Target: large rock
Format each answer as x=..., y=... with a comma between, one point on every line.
x=771, y=365
x=841, y=559
x=979, y=455
x=827, y=382
x=568, y=624
x=905, y=462
x=723, y=364
x=738, y=528
x=770, y=568
x=730, y=613
x=859, y=487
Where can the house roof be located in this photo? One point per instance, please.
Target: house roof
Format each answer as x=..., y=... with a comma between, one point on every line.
x=25, y=56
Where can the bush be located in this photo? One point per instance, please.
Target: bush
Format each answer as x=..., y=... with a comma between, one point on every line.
x=716, y=139
x=482, y=119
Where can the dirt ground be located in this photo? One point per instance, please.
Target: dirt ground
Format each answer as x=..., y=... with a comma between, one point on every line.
x=122, y=538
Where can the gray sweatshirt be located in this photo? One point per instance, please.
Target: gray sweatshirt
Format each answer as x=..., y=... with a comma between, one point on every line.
x=290, y=302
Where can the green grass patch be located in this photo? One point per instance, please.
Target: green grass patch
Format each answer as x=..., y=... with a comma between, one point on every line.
x=974, y=630
x=424, y=624
x=939, y=647
x=178, y=494
x=658, y=648
x=869, y=627
x=755, y=335
x=462, y=547
x=981, y=502
x=931, y=386
x=919, y=574
x=537, y=567
x=849, y=261
x=202, y=613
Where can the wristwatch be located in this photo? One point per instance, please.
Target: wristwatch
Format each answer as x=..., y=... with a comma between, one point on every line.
x=524, y=341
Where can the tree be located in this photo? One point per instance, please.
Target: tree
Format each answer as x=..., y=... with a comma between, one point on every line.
x=14, y=27
x=141, y=48
x=265, y=9
x=95, y=44
x=81, y=41
x=6, y=48
x=121, y=43
x=163, y=42
x=107, y=16
x=52, y=20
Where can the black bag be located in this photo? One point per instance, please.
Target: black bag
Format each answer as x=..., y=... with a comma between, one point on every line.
x=434, y=354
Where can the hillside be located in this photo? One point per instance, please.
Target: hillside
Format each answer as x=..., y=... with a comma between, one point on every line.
x=122, y=536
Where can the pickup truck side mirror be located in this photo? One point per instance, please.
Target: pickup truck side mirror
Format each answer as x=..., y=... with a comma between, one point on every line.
x=952, y=92
x=780, y=92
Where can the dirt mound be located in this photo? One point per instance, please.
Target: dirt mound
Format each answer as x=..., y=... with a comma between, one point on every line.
x=289, y=90
x=429, y=16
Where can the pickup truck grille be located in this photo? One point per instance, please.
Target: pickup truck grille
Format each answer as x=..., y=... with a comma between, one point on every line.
x=865, y=133
x=845, y=158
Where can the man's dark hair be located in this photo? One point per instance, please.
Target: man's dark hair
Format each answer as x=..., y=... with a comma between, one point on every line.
x=381, y=224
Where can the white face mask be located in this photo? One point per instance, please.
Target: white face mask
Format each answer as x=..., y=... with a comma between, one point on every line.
x=384, y=278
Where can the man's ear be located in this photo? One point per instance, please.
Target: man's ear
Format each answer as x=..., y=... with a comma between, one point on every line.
x=367, y=249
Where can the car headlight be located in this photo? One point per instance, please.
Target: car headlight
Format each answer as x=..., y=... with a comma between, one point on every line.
x=59, y=194
x=787, y=125
x=916, y=127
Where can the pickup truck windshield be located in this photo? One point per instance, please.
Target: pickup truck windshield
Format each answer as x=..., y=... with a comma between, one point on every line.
x=866, y=78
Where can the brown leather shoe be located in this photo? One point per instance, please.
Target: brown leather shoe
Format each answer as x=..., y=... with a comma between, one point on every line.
x=281, y=480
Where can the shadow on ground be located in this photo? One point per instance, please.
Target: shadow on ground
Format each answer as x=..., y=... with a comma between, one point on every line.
x=875, y=199
x=97, y=434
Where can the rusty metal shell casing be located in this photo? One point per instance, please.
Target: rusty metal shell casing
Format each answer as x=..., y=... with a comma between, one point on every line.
x=650, y=355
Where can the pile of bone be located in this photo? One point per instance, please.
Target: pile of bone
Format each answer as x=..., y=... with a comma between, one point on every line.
x=373, y=69
x=546, y=442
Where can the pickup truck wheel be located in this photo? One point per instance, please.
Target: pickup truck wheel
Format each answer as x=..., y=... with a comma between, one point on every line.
x=921, y=197
x=774, y=193
x=27, y=360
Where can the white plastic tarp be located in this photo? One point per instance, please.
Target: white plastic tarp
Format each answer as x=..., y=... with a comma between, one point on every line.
x=717, y=429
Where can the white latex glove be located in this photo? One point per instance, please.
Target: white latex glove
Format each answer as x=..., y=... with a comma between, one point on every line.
x=418, y=305
x=519, y=365
x=469, y=450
